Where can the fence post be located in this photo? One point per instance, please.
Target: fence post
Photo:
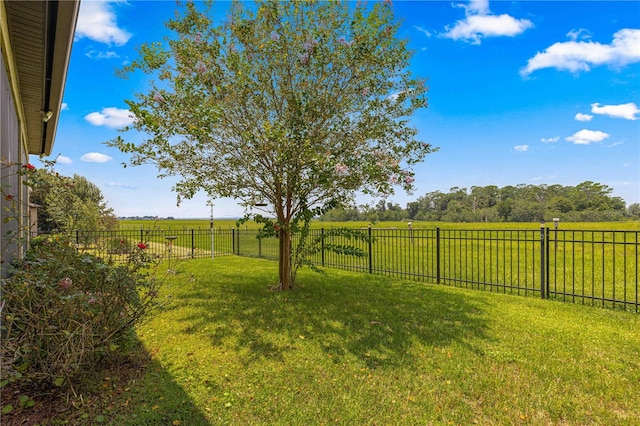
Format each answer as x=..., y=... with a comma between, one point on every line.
x=438, y=255
x=193, y=245
x=259, y=247
x=548, y=262
x=212, y=232
x=370, y=252
x=77, y=240
x=233, y=241
x=543, y=274
x=322, y=243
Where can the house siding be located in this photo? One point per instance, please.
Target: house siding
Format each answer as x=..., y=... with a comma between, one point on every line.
x=13, y=211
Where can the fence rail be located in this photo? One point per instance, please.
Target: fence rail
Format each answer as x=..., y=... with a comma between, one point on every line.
x=588, y=267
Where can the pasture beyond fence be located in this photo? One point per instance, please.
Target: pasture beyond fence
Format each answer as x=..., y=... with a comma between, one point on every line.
x=581, y=266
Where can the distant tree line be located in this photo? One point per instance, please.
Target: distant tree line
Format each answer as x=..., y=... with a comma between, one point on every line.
x=585, y=202
x=148, y=217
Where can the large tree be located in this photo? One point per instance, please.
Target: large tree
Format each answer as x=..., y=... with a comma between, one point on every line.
x=299, y=104
x=69, y=203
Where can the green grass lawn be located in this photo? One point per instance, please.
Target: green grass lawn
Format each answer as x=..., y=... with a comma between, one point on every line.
x=345, y=348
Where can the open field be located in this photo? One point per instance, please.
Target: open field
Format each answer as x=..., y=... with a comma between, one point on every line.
x=186, y=224
x=344, y=349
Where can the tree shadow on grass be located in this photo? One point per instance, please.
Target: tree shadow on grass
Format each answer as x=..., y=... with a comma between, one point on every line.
x=158, y=400
x=377, y=319
x=130, y=390
x=152, y=397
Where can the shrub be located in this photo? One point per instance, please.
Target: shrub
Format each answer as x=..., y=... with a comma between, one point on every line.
x=120, y=245
x=63, y=311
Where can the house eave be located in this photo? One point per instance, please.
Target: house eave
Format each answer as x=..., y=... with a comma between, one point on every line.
x=41, y=34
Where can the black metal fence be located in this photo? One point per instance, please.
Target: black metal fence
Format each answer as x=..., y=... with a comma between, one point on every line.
x=589, y=267
x=180, y=244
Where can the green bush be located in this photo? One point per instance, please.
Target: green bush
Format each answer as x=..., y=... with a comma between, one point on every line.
x=63, y=311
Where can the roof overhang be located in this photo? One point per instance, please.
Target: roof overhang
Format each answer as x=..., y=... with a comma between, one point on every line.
x=41, y=35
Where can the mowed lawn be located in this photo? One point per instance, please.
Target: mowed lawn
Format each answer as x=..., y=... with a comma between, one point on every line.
x=346, y=348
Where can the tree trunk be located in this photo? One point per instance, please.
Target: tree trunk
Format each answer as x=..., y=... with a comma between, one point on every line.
x=285, y=259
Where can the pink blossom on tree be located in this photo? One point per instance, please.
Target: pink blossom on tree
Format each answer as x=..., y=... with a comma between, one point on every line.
x=304, y=58
x=341, y=169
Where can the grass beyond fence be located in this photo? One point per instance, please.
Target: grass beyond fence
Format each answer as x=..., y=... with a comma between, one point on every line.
x=588, y=267
x=364, y=350
x=595, y=267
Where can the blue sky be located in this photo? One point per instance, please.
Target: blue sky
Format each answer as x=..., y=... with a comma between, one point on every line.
x=532, y=92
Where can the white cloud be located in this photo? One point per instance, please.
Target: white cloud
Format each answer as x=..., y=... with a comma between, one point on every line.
x=61, y=159
x=475, y=7
x=97, y=21
x=423, y=30
x=521, y=148
x=473, y=28
x=583, y=117
x=578, y=56
x=479, y=23
x=579, y=34
x=585, y=137
x=95, y=55
x=478, y=6
x=95, y=157
x=550, y=140
x=110, y=117
x=64, y=106
x=120, y=185
x=395, y=96
x=627, y=111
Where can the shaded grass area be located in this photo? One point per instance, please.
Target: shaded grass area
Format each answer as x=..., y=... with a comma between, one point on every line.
x=101, y=395
x=352, y=349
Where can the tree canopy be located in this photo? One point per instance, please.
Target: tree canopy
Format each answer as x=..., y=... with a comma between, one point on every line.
x=297, y=104
x=68, y=203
